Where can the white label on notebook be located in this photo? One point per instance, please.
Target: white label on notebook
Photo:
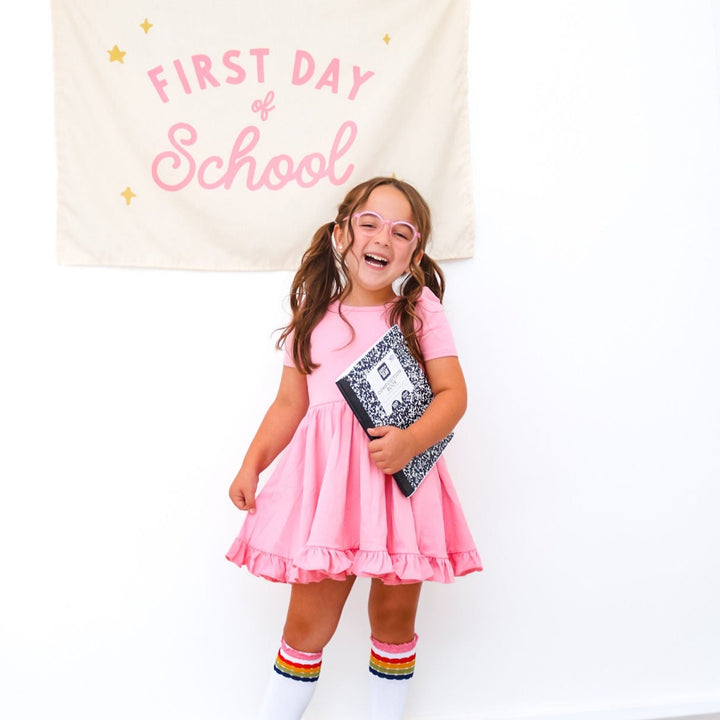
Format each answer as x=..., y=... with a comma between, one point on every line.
x=389, y=381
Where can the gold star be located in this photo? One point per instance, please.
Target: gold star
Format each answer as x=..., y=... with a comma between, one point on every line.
x=386, y=39
x=128, y=194
x=146, y=26
x=116, y=54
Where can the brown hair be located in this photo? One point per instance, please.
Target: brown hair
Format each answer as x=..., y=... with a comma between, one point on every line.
x=323, y=278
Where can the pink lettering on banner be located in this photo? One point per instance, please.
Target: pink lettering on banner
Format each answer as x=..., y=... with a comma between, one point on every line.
x=202, y=65
x=158, y=82
x=204, y=76
x=182, y=76
x=331, y=76
x=264, y=106
x=304, y=69
x=259, y=54
x=358, y=80
x=176, y=141
x=278, y=172
x=239, y=71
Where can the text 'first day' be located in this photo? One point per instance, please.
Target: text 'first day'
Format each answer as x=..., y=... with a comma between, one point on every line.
x=200, y=72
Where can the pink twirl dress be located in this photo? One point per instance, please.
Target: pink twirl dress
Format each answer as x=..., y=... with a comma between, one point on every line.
x=327, y=511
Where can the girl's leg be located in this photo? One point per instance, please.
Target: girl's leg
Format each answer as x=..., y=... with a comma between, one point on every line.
x=312, y=618
x=392, y=610
x=314, y=613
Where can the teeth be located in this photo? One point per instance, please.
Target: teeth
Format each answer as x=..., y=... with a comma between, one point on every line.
x=376, y=259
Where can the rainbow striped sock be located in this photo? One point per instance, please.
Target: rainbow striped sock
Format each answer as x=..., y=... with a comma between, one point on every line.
x=292, y=684
x=388, y=664
x=393, y=662
x=298, y=665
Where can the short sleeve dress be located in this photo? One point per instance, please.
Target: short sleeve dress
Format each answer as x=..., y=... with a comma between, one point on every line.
x=327, y=511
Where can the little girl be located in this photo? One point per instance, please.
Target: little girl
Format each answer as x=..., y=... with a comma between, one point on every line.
x=330, y=512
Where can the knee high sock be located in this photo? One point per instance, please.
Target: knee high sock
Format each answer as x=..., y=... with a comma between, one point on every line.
x=291, y=685
x=391, y=667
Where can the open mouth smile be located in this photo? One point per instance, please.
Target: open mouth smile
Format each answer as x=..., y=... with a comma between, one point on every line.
x=375, y=260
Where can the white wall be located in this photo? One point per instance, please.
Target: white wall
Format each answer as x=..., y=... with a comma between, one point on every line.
x=588, y=462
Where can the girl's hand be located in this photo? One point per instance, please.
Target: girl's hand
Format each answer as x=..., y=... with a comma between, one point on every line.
x=392, y=449
x=242, y=490
x=276, y=429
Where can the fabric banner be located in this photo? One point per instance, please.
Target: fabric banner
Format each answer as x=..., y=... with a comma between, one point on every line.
x=219, y=135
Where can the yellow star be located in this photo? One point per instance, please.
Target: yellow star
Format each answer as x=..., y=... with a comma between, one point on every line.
x=146, y=26
x=128, y=194
x=386, y=39
x=116, y=54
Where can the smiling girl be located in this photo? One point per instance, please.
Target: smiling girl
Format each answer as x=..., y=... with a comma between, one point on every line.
x=330, y=512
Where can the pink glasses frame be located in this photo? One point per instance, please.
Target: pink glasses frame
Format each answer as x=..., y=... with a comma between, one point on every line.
x=391, y=223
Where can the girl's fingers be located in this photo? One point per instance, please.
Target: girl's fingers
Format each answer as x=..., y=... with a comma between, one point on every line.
x=250, y=502
x=244, y=501
x=378, y=432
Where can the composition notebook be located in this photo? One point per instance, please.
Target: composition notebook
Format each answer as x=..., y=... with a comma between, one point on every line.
x=387, y=386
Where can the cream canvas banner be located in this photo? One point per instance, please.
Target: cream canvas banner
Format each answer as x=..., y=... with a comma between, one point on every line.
x=219, y=135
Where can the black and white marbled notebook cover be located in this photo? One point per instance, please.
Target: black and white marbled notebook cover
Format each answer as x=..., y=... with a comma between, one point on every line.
x=387, y=386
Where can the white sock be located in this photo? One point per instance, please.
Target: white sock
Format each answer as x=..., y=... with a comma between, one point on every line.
x=292, y=684
x=391, y=667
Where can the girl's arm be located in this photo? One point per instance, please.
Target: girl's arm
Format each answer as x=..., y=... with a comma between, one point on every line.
x=275, y=431
x=393, y=448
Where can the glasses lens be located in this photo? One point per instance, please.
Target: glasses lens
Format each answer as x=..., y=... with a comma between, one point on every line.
x=370, y=224
x=403, y=231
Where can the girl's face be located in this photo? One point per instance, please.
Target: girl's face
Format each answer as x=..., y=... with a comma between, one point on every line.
x=375, y=262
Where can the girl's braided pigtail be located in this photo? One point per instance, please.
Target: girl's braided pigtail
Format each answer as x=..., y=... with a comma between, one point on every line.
x=317, y=283
x=426, y=273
